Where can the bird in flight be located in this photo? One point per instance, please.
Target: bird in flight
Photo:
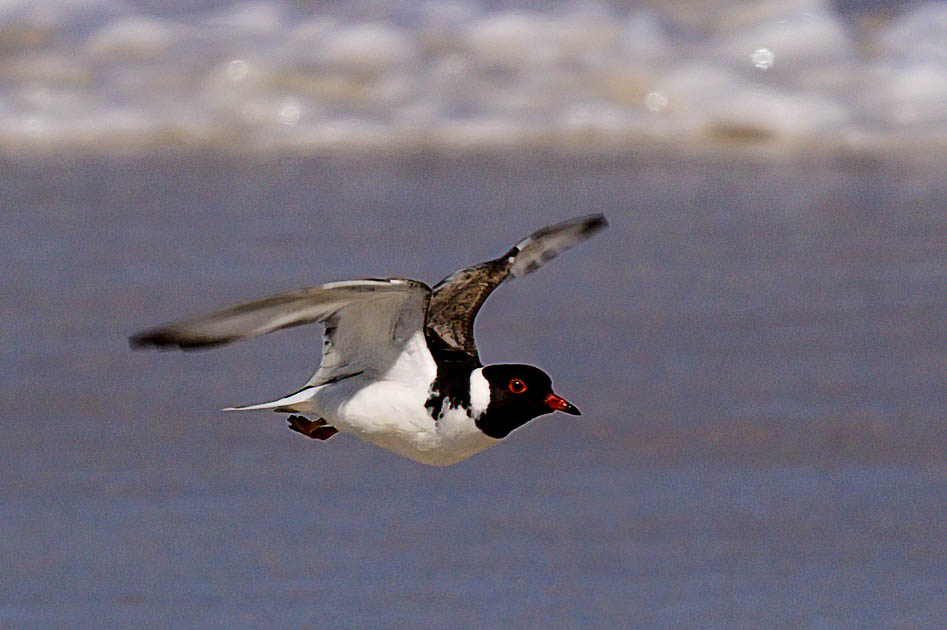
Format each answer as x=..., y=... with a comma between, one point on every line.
x=400, y=367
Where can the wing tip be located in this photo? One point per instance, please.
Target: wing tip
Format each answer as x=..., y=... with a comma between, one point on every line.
x=594, y=222
x=579, y=229
x=588, y=224
x=168, y=339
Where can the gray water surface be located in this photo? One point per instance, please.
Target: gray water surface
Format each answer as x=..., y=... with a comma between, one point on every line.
x=757, y=346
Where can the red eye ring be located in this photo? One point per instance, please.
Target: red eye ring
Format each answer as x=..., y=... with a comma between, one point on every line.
x=517, y=386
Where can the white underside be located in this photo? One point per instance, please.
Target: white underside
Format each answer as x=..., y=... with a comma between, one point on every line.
x=389, y=411
x=392, y=415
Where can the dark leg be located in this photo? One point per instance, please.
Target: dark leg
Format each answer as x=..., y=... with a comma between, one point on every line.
x=315, y=429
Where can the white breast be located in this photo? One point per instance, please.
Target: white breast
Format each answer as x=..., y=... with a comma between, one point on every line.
x=391, y=414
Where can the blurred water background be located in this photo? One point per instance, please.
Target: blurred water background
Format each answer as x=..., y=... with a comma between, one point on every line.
x=107, y=74
x=757, y=342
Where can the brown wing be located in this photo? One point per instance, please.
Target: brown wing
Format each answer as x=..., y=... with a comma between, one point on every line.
x=455, y=303
x=458, y=297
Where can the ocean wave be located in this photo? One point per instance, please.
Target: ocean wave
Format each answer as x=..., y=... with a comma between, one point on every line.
x=105, y=75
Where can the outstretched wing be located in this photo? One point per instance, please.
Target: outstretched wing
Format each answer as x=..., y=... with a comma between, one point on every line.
x=367, y=323
x=458, y=297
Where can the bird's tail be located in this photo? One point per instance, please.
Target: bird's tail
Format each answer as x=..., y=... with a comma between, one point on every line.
x=286, y=403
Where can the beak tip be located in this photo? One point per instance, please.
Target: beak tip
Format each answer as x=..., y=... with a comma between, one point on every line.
x=558, y=403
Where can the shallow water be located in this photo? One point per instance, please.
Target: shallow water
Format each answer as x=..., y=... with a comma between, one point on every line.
x=756, y=344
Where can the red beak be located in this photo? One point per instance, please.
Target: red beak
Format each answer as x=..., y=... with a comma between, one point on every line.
x=557, y=403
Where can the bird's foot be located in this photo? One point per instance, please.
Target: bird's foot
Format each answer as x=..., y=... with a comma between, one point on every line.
x=316, y=429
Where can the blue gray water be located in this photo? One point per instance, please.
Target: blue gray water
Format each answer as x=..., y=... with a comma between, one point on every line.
x=757, y=345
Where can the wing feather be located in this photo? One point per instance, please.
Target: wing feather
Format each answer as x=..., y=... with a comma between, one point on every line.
x=457, y=299
x=367, y=321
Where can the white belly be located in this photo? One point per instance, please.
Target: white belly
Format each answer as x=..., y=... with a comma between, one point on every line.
x=391, y=414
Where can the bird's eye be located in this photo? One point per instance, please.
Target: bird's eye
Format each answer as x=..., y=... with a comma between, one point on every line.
x=517, y=386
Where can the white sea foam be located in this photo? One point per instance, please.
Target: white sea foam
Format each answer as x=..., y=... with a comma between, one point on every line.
x=269, y=74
